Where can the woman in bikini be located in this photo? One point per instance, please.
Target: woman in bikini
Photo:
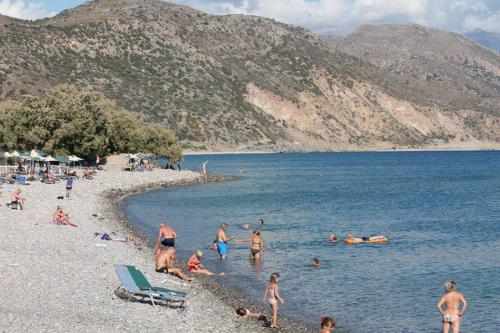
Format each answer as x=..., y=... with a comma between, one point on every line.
x=272, y=296
x=257, y=247
x=195, y=266
x=166, y=238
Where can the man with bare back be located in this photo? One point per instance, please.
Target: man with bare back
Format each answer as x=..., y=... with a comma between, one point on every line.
x=452, y=315
x=165, y=263
x=166, y=238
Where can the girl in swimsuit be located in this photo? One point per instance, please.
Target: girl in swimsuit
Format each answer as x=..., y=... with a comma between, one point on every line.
x=327, y=325
x=272, y=296
x=195, y=266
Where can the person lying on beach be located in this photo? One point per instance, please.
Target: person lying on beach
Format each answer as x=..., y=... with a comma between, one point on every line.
x=87, y=174
x=333, y=238
x=166, y=238
x=315, y=262
x=272, y=296
x=62, y=218
x=16, y=199
x=105, y=236
x=246, y=313
x=165, y=264
x=257, y=247
x=221, y=241
x=452, y=315
x=195, y=266
x=327, y=325
x=350, y=238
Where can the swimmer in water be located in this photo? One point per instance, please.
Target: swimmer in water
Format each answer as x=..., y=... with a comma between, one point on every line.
x=257, y=247
x=333, y=238
x=315, y=262
x=246, y=226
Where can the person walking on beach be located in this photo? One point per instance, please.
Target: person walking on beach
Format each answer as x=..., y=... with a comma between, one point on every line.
x=452, y=315
x=272, y=296
x=165, y=264
x=195, y=266
x=327, y=325
x=257, y=247
x=221, y=241
x=69, y=186
x=166, y=238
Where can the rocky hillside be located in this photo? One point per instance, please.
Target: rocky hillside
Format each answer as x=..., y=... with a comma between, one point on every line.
x=245, y=82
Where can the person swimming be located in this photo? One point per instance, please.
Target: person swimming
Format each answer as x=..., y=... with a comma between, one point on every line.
x=327, y=325
x=246, y=226
x=315, y=262
x=333, y=238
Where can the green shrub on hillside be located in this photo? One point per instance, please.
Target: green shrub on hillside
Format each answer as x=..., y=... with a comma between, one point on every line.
x=65, y=120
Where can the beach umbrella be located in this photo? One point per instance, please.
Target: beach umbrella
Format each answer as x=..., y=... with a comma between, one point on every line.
x=63, y=159
x=38, y=153
x=75, y=158
x=6, y=155
x=49, y=159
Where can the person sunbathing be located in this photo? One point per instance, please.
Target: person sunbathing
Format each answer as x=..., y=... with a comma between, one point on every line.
x=195, y=266
x=246, y=313
x=351, y=239
x=87, y=174
x=16, y=199
x=165, y=264
x=61, y=217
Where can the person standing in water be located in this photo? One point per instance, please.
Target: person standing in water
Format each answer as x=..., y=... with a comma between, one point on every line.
x=452, y=316
x=272, y=296
x=257, y=247
x=221, y=241
x=166, y=238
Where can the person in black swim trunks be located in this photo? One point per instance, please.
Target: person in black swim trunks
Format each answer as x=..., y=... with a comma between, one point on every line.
x=257, y=247
x=165, y=264
x=166, y=238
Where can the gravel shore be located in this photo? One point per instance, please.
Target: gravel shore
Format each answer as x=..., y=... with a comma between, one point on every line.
x=61, y=279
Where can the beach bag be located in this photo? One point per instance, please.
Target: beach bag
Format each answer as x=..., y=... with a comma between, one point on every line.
x=105, y=237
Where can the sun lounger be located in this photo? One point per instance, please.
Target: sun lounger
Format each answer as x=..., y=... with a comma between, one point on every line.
x=144, y=284
x=133, y=290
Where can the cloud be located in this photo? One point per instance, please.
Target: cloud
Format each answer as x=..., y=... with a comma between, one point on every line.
x=24, y=10
x=343, y=16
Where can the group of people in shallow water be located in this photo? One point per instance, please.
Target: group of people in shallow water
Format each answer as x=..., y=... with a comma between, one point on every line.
x=165, y=257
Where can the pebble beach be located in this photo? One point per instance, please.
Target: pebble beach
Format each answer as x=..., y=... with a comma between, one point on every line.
x=57, y=278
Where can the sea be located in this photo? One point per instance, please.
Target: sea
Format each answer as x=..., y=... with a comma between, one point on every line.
x=440, y=211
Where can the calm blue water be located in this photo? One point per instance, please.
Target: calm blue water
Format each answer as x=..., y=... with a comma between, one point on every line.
x=441, y=211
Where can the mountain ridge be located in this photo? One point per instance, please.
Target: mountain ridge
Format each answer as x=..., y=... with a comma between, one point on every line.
x=241, y=82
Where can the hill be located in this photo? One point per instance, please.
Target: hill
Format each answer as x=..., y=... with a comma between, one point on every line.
x=245, y=82
x=488, y=39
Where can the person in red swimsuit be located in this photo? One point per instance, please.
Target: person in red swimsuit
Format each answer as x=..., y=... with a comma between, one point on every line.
x=195, y=266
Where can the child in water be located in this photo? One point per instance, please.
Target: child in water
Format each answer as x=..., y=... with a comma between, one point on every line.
x=272, y=295
x=327, y=325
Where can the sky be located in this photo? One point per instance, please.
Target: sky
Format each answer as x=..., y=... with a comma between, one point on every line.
x=321, y=16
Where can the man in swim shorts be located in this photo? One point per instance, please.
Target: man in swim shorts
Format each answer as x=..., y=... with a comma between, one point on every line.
x=222, y=240
x=166, y=238
x=452, y=316
x=16, y=199
x=165, y=263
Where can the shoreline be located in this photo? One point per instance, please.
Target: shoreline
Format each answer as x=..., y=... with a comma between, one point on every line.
x=58, y=278
x=229, y=295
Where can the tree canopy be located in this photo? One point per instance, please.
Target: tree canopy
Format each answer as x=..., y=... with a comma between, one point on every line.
x=66, y=120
